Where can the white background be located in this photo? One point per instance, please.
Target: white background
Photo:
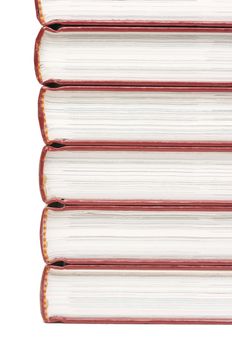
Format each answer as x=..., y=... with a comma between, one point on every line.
x=21, y=206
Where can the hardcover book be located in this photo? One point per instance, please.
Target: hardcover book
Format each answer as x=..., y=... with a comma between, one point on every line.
x=114, y=234
x=134, y=56
x=151, y=174
x=137, y=294
x=136, y=115
x=134, y=12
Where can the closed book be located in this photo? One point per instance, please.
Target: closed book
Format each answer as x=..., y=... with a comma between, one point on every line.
x=155, y=175
x=106, y=115
x=152, y=56
x=134, y=12
x=137, y=294
x=136, y=234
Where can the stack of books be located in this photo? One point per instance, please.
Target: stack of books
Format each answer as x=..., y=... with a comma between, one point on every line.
x=136, y=114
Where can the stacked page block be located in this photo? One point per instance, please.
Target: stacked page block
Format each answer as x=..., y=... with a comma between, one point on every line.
x=136, y=173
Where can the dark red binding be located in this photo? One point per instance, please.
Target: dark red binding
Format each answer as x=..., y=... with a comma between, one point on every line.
x=58, y=319
x=129, y=23
x=47, y=141
x=126, y=83
x=131, y=149
x=153, y=262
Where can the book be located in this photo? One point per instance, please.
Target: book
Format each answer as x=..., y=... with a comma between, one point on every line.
x=134, y=12
x=136, y=115
x=137, y=294
x=151, y=174
x=134, y=56
x=135, y=111
x=114, y=234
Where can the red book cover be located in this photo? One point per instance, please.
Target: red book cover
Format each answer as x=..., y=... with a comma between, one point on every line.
x=129, y=148
x=188, y=269
x=59, y=82
x=178, y=23
x=128, y=207
x=155, y=146
x=139, y=89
